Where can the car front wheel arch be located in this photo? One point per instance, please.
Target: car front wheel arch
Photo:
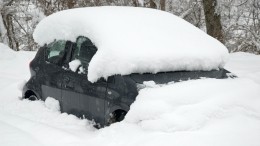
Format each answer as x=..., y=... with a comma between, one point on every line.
x=30, y=95
x=117, y=116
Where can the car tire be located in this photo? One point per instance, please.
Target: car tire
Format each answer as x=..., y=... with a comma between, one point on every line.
x=33, y=97
x=116, y=117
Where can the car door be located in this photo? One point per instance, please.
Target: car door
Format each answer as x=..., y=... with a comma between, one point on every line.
x=79, y=96
x=92, y=100
x=70, y=92
x=55, y=54
x=83, y=98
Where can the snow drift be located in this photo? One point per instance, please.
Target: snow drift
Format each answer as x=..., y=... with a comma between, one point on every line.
x=6, y=52
x=134, y=40
x=193, y=105
x=194, y=113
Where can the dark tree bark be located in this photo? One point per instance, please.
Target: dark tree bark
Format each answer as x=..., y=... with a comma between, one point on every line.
x=71, y=3
x=152, y=4
x=135, y=3
x=162, y=5
x=213, y=23
x=13, y=43
x=7, y=14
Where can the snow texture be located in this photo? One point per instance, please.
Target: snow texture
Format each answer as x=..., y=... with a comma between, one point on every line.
x=74, y=65
x=134, y=40
x=6, y=52
x=201, y=112
x=52, y=104
x=187, y=106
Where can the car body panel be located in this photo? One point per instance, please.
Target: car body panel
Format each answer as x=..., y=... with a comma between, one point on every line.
x=52, y=81
x=165, y=77
x=94, y=101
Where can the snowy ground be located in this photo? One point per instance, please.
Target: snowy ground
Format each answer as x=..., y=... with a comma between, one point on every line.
x=203, y=112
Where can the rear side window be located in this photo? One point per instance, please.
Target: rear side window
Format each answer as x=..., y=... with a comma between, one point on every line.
x=84, y=51
x=56, y=52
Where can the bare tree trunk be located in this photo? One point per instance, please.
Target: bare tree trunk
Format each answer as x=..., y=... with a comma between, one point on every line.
x=162, y=5
x=152, y=4
x=135, y=3
x=212, y=18
x=71, y=3
x=13, y=43
x=7, y=25
x=3, y=31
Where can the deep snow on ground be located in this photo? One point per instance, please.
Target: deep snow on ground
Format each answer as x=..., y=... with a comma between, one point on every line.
x=145, y=41
x=192, y=113
x=245, y=65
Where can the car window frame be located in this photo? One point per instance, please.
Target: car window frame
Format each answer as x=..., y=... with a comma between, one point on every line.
x=75, y=45
x=67, y=49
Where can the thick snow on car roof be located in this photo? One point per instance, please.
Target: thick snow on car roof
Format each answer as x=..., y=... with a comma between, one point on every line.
x=134, y=40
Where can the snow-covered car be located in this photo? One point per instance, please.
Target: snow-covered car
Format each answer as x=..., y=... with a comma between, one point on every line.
x=94, y=60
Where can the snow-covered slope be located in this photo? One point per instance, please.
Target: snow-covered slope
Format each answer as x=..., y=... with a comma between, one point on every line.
x=6, y=53
x=245, y=65
x=134, y=40
x=194, y=113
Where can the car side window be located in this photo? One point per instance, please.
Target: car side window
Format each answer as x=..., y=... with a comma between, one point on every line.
x=55, y=52
x=84, y=51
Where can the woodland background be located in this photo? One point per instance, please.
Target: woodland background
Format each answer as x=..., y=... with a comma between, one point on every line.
x=236, y=23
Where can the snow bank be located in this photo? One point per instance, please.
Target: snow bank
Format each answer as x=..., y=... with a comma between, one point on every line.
x=206, y=112
x=245, y=65
x=134, y=40
x=52, y=104
x=194, y=105
x=14, y=65
x=6, y=52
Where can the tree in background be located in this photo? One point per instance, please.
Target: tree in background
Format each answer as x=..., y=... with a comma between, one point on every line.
x=241, y=25
x=17, y=21
x=236, y=23
x=6, y=23
x=212, y=19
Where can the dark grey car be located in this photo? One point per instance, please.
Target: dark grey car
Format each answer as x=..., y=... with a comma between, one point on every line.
x=105, y=101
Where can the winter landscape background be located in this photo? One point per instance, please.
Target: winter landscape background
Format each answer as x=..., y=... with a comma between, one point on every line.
x=197, y=112
x=239, y=19
x=194, y=113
